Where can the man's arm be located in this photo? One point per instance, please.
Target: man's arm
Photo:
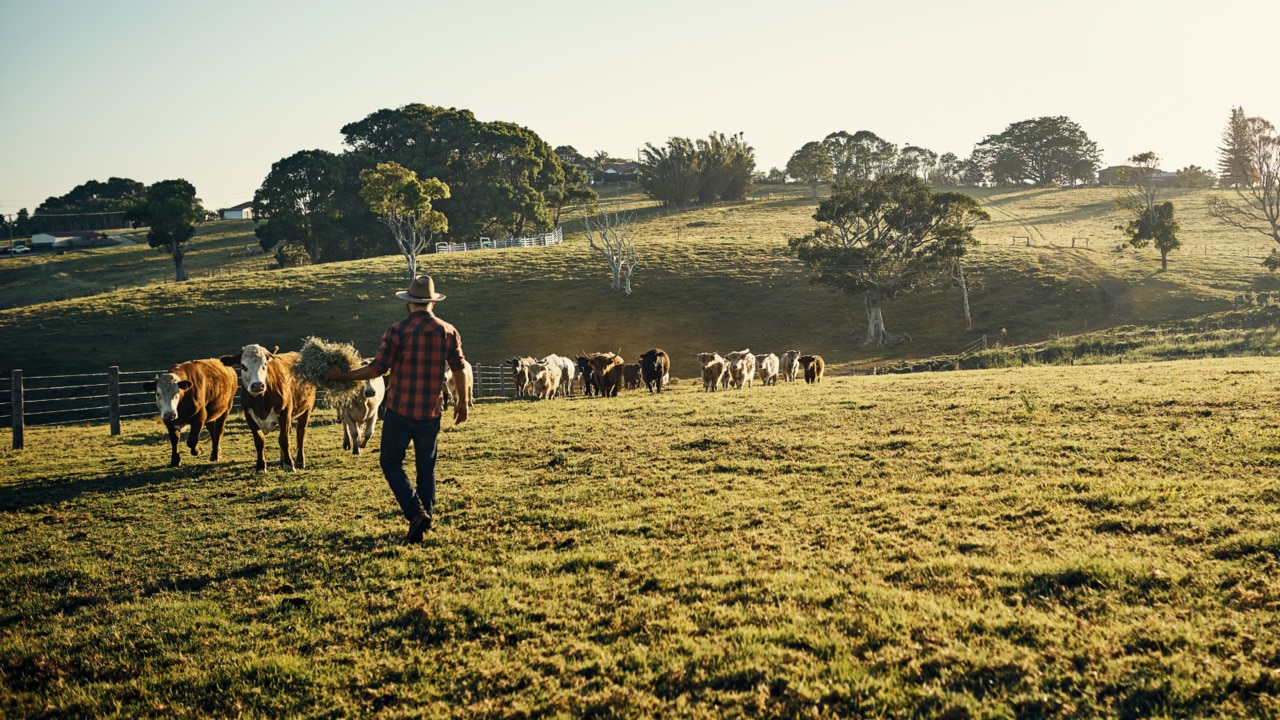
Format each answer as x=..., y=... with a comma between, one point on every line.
x=364, y=372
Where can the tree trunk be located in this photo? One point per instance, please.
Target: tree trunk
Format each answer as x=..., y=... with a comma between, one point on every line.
x=875, y=323
x=1164, y=260
x=964, y=292
x=179, y=270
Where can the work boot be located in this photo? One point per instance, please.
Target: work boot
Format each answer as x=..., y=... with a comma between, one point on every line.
x=417, y=526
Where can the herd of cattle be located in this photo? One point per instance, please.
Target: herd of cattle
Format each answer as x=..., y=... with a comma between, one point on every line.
x=605, y=373
x=200, y=393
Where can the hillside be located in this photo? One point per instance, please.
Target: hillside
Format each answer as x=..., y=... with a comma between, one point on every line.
x=717, y=278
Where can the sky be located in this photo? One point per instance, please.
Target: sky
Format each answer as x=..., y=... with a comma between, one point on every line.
x=215, y=92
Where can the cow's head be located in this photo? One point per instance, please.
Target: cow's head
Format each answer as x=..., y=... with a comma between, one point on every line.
x=168, y=388
x=252, y=363
x=602, y=362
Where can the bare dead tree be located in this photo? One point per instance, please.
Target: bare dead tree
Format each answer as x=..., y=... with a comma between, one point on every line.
x=610, y=235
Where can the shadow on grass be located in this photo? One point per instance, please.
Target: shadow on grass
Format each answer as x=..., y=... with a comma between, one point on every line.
x=53, y=491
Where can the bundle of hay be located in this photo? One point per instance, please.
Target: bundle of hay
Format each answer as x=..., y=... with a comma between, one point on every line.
x=318, y=355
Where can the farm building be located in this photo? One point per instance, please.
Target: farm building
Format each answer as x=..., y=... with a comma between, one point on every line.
x=243, y=211
x=1111, y=176
x=59, y=241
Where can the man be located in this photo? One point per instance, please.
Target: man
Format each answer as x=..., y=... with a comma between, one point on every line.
x=415, y=350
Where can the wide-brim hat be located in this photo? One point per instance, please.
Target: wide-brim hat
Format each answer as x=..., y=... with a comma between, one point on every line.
x=421, y=290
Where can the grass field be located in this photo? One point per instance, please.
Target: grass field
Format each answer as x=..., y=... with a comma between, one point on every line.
x=1029, y=541
x=1041, y=542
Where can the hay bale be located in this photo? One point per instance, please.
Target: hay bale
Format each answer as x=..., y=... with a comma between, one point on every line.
x=318, y=355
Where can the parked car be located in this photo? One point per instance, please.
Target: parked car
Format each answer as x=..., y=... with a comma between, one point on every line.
x=19, y=249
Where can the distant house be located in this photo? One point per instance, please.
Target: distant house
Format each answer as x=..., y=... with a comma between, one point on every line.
x=58, y=241
x=620, y=172
x=1111, y=176
x=243, y=211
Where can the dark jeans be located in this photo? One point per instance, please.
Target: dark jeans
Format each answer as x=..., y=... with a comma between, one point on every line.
x=397, y=432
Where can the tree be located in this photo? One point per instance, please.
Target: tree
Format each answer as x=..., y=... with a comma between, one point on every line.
x=1152, y=221
x=860, y=156
x=917, y=161
x=947, y=170
x=670, y=174
x=610, y=235
x=1195, y=177
x=1235, y=154
x=298, y=203
x=1252, y=170
x=500, y=175
x=171, y=210
x=403, y=202
x=725, y=165
x=811, y=164
x=1042, y=151
x=884, y=238
x=91, y=206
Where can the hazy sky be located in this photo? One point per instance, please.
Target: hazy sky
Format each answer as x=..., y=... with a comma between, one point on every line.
x=215, y=92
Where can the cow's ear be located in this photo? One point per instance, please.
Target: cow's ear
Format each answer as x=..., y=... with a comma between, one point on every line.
x=149, y=386
x=184, y=384
x=231, y=361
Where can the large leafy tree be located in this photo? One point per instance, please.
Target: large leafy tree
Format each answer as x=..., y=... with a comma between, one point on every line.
x=299, y=204
x=669, y=174
x=860, y=156
x=883, y=238
x=504, y=179
x=718, y=168
x=811, y=164
x=90, y=206
x=404, y=202
x=1042, y=151
x=171, y=210
x=1150, y=221
x=1250, y=165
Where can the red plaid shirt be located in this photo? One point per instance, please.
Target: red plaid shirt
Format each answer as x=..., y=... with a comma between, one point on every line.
x=415, y=350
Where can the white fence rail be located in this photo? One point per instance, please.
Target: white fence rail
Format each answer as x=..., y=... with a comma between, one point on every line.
x=555, y=237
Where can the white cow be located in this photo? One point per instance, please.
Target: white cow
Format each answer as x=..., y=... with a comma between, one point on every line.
x=767, y=369
x=568, y=371
x=714, y=368
x=452, y=392
x=790, y=366
x=742, y=368
x=546, y=379
x=359, y=415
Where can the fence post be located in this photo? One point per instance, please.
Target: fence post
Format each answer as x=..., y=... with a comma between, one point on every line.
x=113, y=398
x=15, y=400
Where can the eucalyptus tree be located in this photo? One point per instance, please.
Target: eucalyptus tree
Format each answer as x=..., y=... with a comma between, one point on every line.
x=404, y=203
x=884, y=238
x=860, y=156
x=612, y=235
x=171, y=210
x=1150, y=221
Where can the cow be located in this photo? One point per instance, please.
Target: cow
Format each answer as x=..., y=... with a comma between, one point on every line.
x=359, y=414
x=546, y=378
x=568, y=369
x=607, y=368
x=714, y=368
x=631, y=373
x=452, y=393
x=790, y=365
x=271, y=395
x=589, y=384
x=742, y=368
x=655, y=368
x=767, y=369
x=812, y=365
x=198, y=393
x=520, y=374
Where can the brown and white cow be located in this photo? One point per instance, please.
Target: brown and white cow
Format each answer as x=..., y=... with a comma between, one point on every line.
x=714, y=369
x=272, y=396
x=198, y=393
x=359, y=414
x=813, y=366
x=655, y=369
x=607, y=368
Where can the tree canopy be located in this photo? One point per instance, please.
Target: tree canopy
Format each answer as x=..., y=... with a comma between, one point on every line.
x=171, y=210
x=1251, y=168
x=705, y=171
x=1043, y=151
x=886, y=237
x=811, y=164
x=404, y=202
x=504, y=179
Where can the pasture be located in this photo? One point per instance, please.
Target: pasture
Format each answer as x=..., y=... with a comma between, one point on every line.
x=1039, y=542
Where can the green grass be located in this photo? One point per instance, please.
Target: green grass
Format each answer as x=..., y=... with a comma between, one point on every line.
x=1040, y=542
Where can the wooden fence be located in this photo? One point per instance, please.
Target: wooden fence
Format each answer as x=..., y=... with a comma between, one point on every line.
x=555, y=237
x=110, y=397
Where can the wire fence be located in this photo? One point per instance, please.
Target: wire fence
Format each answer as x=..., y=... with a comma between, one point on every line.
x=555, y=237
x=115, y=395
